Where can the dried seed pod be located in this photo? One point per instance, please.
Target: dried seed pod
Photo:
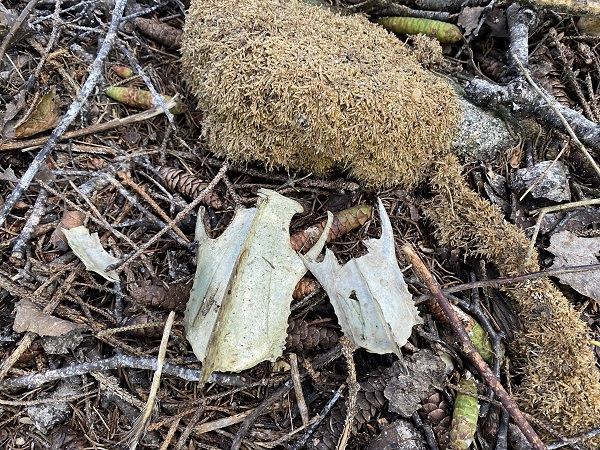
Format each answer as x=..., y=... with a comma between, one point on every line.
x=446, y=33
x=343, y=222
x=477, y=334
x=122, y=71
x=304, y=288
x=160, y=32
x=547, y=71
x=491, y=66
x=140, y=98
x=188, y=185
x=466, y=413
x=436, y=413
x=303, y=336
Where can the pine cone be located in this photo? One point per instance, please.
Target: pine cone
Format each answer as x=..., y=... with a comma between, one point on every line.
x=303, y=336
x=188, y=185
x=305, y=287
x=172, y=298
x=369, y=401
x=435, y=412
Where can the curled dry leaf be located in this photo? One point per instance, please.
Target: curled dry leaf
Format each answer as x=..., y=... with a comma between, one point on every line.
x=89, y=250
x=343, y=222
x=70, y=219
x=468, y=18
x=237, y=315
x=369, y=295
x=8, y=174
x=43, y=117
x=30, y=318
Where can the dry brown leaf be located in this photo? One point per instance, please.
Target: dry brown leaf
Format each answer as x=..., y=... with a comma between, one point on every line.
x=31, y=318
x=43, y=117
x=70, y=219
x=469, y=18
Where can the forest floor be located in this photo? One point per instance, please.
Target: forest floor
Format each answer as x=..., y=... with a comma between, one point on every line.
x=79, y=348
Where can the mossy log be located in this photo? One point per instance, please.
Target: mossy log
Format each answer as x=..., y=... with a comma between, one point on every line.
x=300, y=88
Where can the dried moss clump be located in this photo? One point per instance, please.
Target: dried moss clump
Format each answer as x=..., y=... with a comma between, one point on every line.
x=559, y=377
x=298, y=87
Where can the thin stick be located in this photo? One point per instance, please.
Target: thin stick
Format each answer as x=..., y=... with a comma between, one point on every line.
x=496, y=282
x=539, y=179
x=170, y=434
x=127, y=181
x=6, y=146
x=36, y=380
x=299, y=444
x=353, y=388
x=470, y=351
x=550, y=209
x=281, y=391
x=298, y=390
x=31, y=225
x=189, y=428
x=140, y=426
x=184, y=212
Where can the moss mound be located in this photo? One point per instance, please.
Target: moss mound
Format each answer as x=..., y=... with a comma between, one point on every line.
x=560, y=379
x=298, y=87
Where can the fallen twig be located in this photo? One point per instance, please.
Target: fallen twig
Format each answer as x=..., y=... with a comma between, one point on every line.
x=117, y=362
x=552, y=103
x=6, y=146
x=31, y=225
x=550, y=209
x=300, y=443
x=15, y=27
x=469, y=350
x=295, y=373
x=353, y=388
x=140, y=425
x=173, y=222
x=497, y=282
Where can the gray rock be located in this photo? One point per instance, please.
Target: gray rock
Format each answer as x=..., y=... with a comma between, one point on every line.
x=552, y=185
